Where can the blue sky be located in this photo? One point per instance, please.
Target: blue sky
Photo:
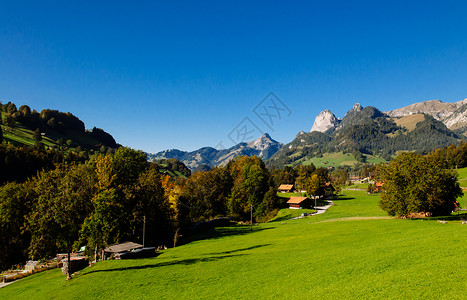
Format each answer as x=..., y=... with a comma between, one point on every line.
x=176, y=74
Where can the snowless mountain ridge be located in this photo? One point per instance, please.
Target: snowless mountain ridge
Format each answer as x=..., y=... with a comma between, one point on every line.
x=453, y=115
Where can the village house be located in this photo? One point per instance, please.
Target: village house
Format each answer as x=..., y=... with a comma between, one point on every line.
x=299, y=202
x=286, y=188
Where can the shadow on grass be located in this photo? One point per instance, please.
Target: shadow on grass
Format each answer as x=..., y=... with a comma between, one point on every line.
x=220, y=232
x=344, y=198
x=239, y=250
x=184, y=262
x=457, y=216
x=283, y=218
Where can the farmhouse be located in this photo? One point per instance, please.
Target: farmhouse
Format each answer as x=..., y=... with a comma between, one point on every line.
x=286, y=188
x=299, y=202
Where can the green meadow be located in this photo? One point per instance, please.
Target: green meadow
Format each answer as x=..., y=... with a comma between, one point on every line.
x=352, y=251
x=338, y=159
x=462, y=177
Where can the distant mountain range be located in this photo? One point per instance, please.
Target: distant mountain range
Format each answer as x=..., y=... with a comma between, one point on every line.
x=362, y=131
x=263, y=147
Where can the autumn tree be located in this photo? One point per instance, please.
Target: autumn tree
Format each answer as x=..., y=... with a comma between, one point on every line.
x=205, y=193
x=314, y=186
x=250, y=184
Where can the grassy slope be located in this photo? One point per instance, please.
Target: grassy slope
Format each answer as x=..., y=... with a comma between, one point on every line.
x=352, y=258
x=410, y=122
x=338, y=159
x=21, y=135
x=462, y=177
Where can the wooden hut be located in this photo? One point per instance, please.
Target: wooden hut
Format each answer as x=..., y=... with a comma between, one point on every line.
x=285, y=188
x=299, y=202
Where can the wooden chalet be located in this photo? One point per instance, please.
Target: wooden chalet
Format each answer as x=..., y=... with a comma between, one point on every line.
x=299, y=202
x=286, y=188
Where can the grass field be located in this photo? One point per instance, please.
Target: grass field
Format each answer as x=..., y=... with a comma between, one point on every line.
x=462, y=177
x=338, y=159
x=351, y=251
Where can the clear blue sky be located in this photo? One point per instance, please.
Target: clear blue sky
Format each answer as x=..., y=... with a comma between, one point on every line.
x=175, y=74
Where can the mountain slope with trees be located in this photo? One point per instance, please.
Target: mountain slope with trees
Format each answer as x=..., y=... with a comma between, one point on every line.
x=55, y=129
x=367, y=131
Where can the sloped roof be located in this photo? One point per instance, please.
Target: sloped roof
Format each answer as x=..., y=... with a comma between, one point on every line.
x=286, y=187
x=122, y=247
x=296, y=200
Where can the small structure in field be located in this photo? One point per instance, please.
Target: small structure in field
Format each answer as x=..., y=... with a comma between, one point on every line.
x=329, y=190
x=378, y=186
x=127, y=246
x=77, y=263
x=130, y=250
x=286, y=188
x=31, y=265
x=299, y=202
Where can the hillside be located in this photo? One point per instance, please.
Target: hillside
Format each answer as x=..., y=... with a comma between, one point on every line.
x=59, y=130
x=351, y=251
x=369, y=135
x=453, y=115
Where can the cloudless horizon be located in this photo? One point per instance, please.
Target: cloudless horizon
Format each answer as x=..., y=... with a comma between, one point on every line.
x=187, y=74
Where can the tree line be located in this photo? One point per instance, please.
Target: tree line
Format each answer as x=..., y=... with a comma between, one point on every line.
x=105, y=199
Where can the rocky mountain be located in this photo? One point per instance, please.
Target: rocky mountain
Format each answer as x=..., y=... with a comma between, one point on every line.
x=362, y=132
x=368, y=131
x=453, y=115
x=325, y=121
x=263, y=147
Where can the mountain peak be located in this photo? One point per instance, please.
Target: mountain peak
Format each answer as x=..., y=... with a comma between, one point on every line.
x=324, y=121
x=355, y=108
x=262, y=142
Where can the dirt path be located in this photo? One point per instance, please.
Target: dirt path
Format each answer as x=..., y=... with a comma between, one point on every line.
x=319, y=210
x=3, y=284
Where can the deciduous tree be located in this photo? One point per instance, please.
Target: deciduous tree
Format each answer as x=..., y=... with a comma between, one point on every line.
x=413, y=183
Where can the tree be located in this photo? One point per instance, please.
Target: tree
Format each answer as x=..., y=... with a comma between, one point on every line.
x=9, y=121
x=15, y=203
x=37, y=135
x=370, y=189
x=313, y=186
x=128, y=164
x=63, y=202
x=205, y=193
x=1, y=134
x=250, y=183
x=413, y=183
x=341, y=178
x=150, y=203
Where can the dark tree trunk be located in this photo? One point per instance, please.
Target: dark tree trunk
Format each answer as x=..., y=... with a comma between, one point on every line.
x=68, y=277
